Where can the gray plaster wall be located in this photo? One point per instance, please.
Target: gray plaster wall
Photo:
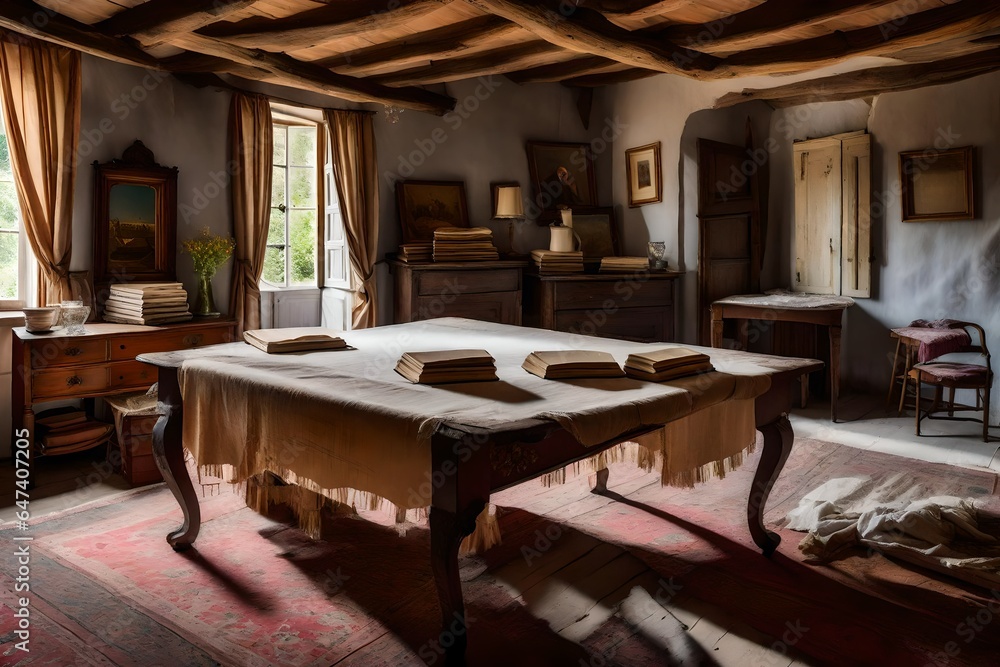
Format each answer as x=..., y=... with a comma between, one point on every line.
x=185, y=127
x=923, y=270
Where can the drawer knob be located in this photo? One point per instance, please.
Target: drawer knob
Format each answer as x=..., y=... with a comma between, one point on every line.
x=73, y=380
x=122, y=346
x=73, y=352
x=193, y=340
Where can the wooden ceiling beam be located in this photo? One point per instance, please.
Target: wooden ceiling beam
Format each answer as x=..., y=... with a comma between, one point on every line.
x=740, y=31
x=151, y=21
x=445, y=42
x=562, y=71
x=869, y=82
x=308, y=76
x=16, y=16
x=586, y=31
x=963, y=18
x=635, y=9
x=609, y=78
x=324, y=24
x=199, y=63
x=496, y=61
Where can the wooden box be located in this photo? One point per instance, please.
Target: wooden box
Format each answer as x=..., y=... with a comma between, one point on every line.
x=135, y=417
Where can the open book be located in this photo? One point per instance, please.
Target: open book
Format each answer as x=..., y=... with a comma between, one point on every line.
x=442, y=366
x=300, y=339
x=565, y=364
x=668, y=363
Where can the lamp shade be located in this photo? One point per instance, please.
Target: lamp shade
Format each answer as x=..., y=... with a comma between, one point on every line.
x=508, y=202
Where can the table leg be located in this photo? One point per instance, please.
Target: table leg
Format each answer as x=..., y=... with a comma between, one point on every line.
x=168, y=452
x=717, y=323
x=778, y=438
x=601, y=485
x=447, y=532
x=834, y=370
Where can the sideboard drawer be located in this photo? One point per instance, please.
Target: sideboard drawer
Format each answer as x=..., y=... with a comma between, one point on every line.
x=135, y=375
x=67, y=382
x=129, y=347
x=630, y=294
x=67, y=351
x=436, y=283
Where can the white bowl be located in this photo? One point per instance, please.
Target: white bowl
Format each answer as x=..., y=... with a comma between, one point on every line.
x=37, y=320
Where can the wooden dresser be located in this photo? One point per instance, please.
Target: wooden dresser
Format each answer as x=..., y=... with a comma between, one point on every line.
x=49, y=367
x=631, y=306
x=489, y=291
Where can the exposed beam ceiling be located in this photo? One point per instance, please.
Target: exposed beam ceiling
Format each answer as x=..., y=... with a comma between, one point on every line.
x=386, y=52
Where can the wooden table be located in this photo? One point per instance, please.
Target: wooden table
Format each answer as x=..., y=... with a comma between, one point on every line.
x=819, y=309
x=470, y=463
x=100, y=362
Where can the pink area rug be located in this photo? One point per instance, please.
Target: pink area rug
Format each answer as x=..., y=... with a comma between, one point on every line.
x=107, y=589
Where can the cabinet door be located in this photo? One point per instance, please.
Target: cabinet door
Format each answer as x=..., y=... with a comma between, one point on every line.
x=817, y=216
x=856, y=267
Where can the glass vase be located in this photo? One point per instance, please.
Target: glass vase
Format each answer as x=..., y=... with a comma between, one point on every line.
x=205, y=304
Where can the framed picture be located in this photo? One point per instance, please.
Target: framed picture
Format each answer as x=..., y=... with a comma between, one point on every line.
x=135, y=218
x=561, y=175
x=937, y=184
x=598, y=232
x=426, y=205
x=645, y=180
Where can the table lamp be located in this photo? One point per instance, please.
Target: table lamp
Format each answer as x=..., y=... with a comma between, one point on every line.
x=507, y=205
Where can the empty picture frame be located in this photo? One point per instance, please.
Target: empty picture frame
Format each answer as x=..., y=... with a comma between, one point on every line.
x=645, y=180
x=937, y=185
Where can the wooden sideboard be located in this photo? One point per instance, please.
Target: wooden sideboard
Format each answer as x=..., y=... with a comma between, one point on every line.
x=489, y=291
x=631, y=306
x=101, y=362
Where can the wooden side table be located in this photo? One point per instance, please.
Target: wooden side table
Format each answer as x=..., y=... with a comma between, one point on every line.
x=822, y=310
x=101, y=362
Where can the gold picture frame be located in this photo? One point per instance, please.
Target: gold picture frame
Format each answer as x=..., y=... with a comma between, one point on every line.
x=644, y=175
x=937, y=185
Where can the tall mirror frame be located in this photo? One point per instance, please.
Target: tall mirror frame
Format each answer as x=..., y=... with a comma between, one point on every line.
x=135, y=220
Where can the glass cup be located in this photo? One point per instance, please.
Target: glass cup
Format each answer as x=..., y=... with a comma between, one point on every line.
x=72, y=317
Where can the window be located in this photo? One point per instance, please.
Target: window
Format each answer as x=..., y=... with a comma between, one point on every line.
x=290, y=258
x=14, y=258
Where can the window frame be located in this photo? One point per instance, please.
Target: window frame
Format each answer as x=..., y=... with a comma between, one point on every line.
x=26, y=266
x=287, y=123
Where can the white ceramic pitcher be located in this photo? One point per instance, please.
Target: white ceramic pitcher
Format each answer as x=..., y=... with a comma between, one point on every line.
x=563, y=239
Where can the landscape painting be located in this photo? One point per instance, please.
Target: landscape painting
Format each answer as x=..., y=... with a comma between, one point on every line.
x=132, y=227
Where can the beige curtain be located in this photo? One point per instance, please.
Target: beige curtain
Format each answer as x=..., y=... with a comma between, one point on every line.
x=251, y=143
x=352, y=139
x=41, y=89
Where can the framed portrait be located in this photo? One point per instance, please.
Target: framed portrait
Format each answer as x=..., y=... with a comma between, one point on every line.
x=561, y=175
x=426, y=205
x=645, y=180
x=937, y=185
x=135, y=218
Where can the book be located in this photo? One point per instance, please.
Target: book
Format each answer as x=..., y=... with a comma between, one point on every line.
x=296, y=339
x=87, y=431
x=118, y=319
x=566, y=364
x=145, y=288
x=463, y=234
x=442, y=366
x=667, y=363
x=60, y=417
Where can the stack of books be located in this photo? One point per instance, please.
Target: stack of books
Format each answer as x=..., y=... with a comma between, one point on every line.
x=67, y=431
x=566, y=364
x=550, y=262
x=147, y=303
x=442, y=366
x=668, y=363
x=299, y=339
x=623, y=264
x=418, y=251
x=456, y=244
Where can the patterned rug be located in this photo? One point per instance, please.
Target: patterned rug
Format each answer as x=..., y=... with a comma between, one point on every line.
x=107, y=589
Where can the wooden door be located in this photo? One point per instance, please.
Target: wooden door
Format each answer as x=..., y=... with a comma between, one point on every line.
x=729, y=249
x=818, y=216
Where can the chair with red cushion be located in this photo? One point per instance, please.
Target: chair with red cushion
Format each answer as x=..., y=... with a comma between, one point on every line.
x=951, y=375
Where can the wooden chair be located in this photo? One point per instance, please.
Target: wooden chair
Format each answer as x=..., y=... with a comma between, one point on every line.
x=952, y=375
